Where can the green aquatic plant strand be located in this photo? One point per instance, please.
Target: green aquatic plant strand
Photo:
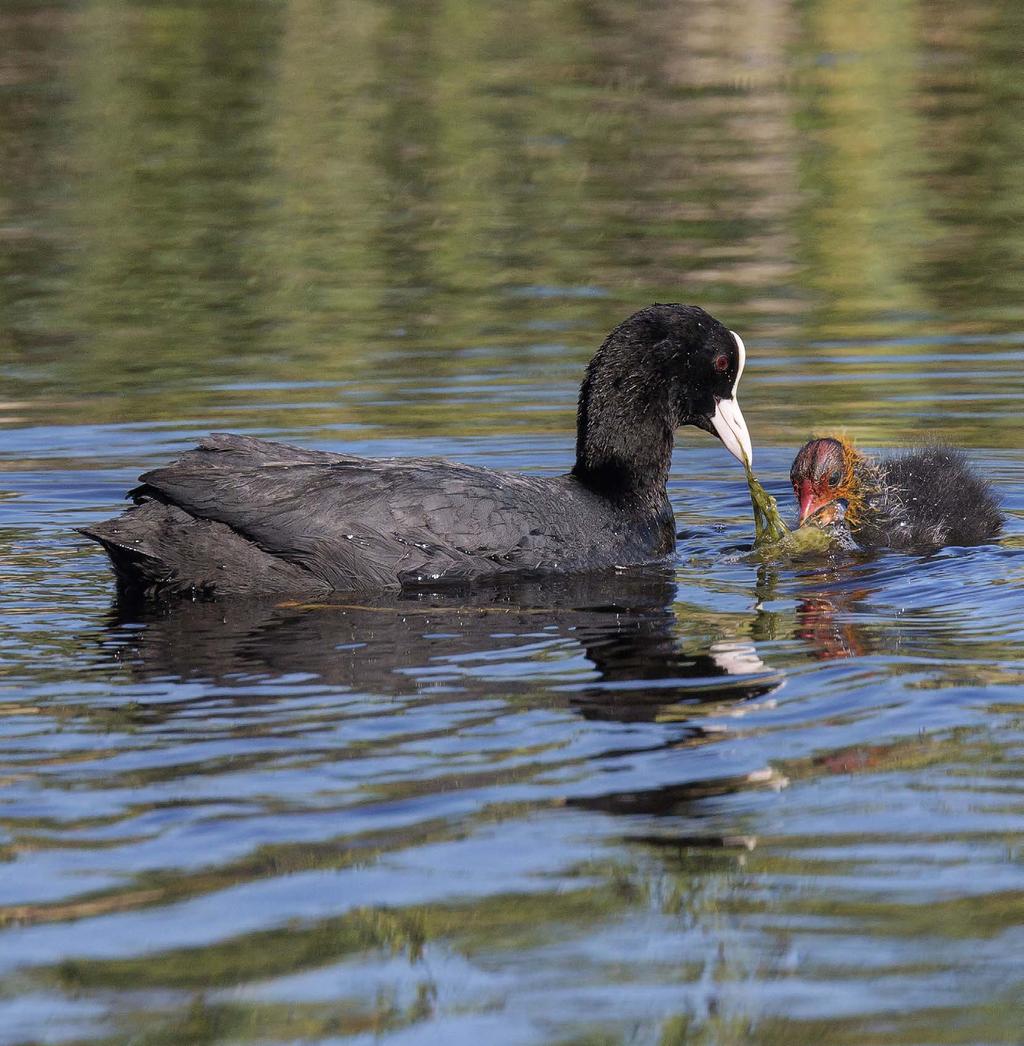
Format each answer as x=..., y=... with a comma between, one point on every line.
x=771, y=535
x=769, y=529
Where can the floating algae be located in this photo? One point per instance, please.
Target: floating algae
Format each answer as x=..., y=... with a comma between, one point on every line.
x=771, y=535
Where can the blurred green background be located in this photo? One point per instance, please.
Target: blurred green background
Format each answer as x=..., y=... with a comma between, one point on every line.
x=207, y=205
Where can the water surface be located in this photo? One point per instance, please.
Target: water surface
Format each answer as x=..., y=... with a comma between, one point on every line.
x=714, y=802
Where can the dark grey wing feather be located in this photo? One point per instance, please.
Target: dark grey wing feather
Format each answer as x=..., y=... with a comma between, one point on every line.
x=157, y=547
x=352, y=521
x=240, y=513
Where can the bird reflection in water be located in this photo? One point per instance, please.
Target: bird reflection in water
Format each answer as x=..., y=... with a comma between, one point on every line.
x=831, y=635
x=643, y=655
x=617, y=648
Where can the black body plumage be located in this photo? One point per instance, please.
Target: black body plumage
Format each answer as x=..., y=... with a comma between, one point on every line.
x=240, y=515
x=930, y=498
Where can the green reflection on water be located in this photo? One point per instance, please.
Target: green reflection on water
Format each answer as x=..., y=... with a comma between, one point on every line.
x=367, y=192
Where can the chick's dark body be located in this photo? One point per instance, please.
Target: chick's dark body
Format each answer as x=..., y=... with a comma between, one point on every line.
x=932, y=498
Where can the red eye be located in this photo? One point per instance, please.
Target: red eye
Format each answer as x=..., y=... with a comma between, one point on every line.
x=721, y=363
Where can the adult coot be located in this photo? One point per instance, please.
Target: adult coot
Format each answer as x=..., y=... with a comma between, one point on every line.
x=918, y=500
x=241, y=515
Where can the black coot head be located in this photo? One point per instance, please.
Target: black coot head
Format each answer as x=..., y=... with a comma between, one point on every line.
x=712, y=358
x=692, y=366
x=665, y=366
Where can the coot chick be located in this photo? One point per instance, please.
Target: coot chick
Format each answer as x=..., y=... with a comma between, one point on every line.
x=920, y=500
x=240, y=515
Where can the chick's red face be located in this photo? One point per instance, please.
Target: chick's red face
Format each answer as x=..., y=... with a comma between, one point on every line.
x=819, y=476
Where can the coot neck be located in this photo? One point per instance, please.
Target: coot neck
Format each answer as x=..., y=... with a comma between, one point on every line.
x=624, y=431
